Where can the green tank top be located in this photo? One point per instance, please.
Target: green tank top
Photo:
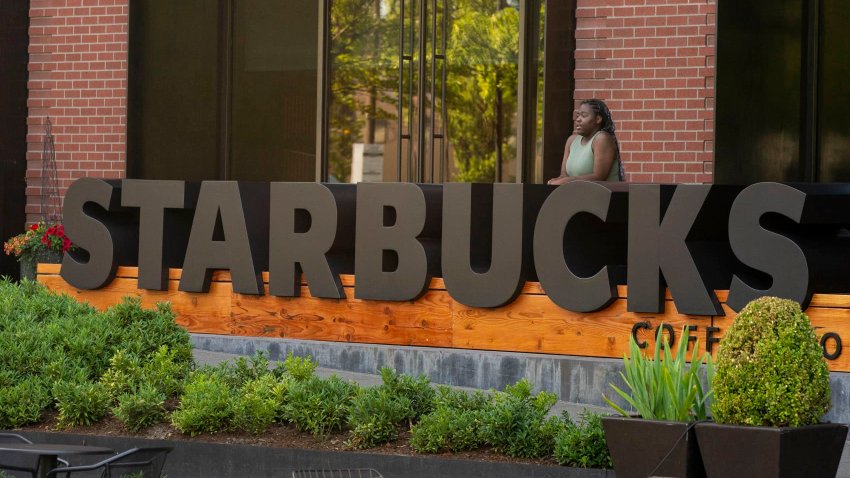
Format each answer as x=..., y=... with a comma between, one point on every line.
x=580, y=160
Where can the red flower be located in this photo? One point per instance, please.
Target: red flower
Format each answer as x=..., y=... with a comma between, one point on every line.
x=33, y=227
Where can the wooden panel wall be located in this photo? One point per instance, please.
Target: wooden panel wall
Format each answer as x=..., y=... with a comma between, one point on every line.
x=532, y=323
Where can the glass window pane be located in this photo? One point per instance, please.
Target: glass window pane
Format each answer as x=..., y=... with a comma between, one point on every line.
x=273, y=106
x=173, y=99
x=833, y=104
x=759, y=65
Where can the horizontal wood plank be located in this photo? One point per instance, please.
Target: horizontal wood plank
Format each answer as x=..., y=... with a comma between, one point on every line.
x=532, y=323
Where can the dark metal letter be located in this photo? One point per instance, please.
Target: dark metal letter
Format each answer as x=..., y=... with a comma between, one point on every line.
x=764, y=250
x=658, y=246
x=90, y=234
x=373, y=238
x=291, y=251
x=504, y=279
x=220, y=201
x=152, y=198
x=566, y=289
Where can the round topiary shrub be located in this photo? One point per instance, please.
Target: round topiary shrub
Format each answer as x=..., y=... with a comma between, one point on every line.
x=770, y=368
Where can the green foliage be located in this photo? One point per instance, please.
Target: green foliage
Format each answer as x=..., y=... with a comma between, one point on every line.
x=374, y=416
x=207, y=404
x=665, y=387
x=80, y=403
x=770, y=368
x=515, y=422
x=47, y=338
x=257, y=404
x=317, y=405
x=242, y=370
x=454, y=425
x=22, y=403
x=140, y=409
x=583, y=445
x=299, y=368
x=416, y=390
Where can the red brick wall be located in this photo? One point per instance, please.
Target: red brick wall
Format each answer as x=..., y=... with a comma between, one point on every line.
x=653, y=63
x=78, y=77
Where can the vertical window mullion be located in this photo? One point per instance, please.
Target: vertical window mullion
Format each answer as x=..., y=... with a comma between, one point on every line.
x=225, y=94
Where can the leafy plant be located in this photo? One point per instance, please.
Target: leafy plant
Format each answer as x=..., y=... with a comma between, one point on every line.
x=664, y=387
x=22, y=403
x=374, y=416
x=80, y=403
x=416, y=390
x=515, y=422
x=447, y=429
x=583, y=445
x=770, y=368
x=318, y=405
x=140, y=409
x=257, y=404
x=299, y=368
x=206, y=405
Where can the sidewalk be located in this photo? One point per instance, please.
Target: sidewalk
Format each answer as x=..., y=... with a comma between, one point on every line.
x=203, y=357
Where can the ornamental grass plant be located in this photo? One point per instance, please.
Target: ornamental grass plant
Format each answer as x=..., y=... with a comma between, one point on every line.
x=770, y=368
x=664, y=386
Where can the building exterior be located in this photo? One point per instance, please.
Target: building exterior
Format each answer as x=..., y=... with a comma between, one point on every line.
x=273, y=90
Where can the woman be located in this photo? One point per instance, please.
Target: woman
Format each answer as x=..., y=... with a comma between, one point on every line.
x=592, y=152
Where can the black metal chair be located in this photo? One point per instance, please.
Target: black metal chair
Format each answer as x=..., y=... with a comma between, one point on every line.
x=337, y=473
x=135, y=462
x=12, y=461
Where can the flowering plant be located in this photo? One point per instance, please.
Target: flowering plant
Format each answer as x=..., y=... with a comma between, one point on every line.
x=38, y=238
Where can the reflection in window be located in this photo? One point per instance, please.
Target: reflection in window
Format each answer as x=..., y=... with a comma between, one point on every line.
x=469, y=88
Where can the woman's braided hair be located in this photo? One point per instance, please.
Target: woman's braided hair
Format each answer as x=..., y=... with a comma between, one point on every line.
x=600, y=108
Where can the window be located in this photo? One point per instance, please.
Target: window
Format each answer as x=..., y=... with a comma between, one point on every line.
x=223, y=89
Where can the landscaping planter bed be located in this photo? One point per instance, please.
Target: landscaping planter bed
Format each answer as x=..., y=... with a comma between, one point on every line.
x=192, y=459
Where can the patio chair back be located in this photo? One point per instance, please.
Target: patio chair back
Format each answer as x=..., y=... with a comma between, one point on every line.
x=135, y=463
x=337, y=473
x=11, y=461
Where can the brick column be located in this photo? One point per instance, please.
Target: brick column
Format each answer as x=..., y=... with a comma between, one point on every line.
x=78, y=77
x=653, y=63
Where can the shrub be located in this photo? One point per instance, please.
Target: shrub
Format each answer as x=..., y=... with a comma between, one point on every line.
x=80, y=403
x=374, y=416
x=447, y=429
x=257, y=404
x=583, y=445
x=665, y=387
x=770, y=368
x=417, y=390
x=207, y=405
x=319, y=406
x=140, y=409
x=299, y=368
x=515, y=422
x=22, y=403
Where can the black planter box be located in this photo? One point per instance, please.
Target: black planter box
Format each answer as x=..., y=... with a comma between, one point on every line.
x=639, y=446
x=731, y=451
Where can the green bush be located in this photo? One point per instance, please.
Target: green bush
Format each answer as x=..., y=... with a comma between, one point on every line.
x=257, y=404
x=454, y=424
x=206, y=406
x=317, y=405
x=583, y=445
x=515, y=422
x=22, y=403
x=140, y=409
x=80, y=403
x=664, y=387
x=299, y=368
x=374, y=416
x=417, y=390
x=770, y=368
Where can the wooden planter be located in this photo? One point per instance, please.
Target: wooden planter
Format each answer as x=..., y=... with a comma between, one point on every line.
x=641, y=448
x=733, y=451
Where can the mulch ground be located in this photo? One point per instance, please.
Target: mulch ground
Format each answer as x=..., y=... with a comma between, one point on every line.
x=277, y=436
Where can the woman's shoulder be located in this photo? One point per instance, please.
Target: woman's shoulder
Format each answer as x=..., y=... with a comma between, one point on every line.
x=603, y=138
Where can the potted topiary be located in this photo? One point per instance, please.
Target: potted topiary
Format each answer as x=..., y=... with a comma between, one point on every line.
x=668, y=396
x=770, y=390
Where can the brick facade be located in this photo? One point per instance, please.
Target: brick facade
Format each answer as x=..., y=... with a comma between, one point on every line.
x=652, y=60
x=78, y=77
x=653, y=63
